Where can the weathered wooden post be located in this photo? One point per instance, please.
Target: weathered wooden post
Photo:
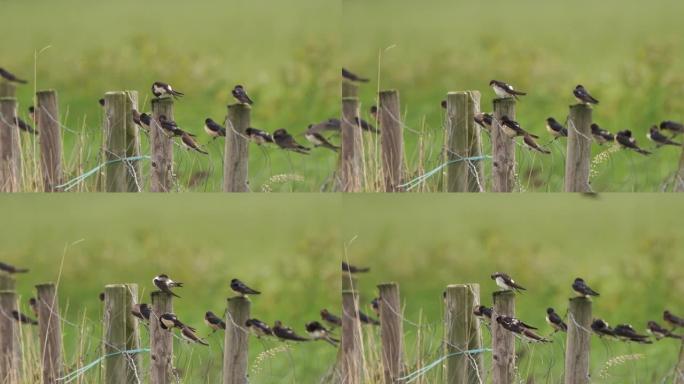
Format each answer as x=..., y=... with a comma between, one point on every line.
x=236, y=341
x=120, y=334
x=458, y=145
x=7, y=89
x=476, y=176
x=503, y=341
x=349, y=89
x=579, y=149
x=679, y=370
x=10, y=147
x=579, y=341
x=134, y=177
x=392, y=139
x=462, y=332
x=6, y=282
x=121, y=141
x=50, y=332
x=161, y=146
x=351, y=360
x=350, y=154
x=161, y=341
x=503, y=148
x=50, y=137
x=391, y=332
x=679, y=177
x=236, y=163
x=10, y=344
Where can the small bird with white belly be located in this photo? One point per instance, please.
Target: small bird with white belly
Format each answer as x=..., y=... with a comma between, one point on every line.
x=504, y=90
x=318, y=332
x=555, y=128
x=164, y=283
x=214, y=322
x=555, y=321
x=188, y=334
x=506, y=283
x=190, y=144
x=512, y=128
x=583, y=96
x=600, y=135
x=159, y=89
x=659, y=139
x=319, y=140
x=213, y=128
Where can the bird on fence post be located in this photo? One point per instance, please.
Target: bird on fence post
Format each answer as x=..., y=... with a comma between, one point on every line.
x=285, y=141
x=484, y=120
x=601, y=328
x=11, y=269
x=20, y=317
x=258, y=328
x=141, y=311
x=625, y=140
x=240, y=94
x=555, y=321
x=285, y=333
x=331, y=319
x=213, y=129
x=258, y=136
x=346, y=267
x=164, y=283
x=504, y=90
x=7, y=75
x=601, y=136
x=659, y=139
x=515, y=326
x=512, y=128
x=318, y=332
x=214, y=322
x=159, y=89
x=555, y=128
x=583, y=289
x=242, y=289
x=583, y=96
x=506, y=283
x=348, y=75
x=483, y=312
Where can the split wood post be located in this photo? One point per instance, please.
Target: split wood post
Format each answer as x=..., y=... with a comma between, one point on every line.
x=6, y=282
x=350, y=154
x=349, y=89
x=236, y=163
x=503, y=341
x=115, y=123
x=50, y=332
x=351, y=361
x=120, y=334
x=134, y=174
x=10, y=343
x=10, y=147
x=458, y=146
x=679, y=370
x=579, y=341
x=391, y=332
x=476, y=176
x=7, y=89
x=50, y=137
x=392, y=139
x=236, y=341
x=161, y=146
x=579, y=149
x=503, y=148
x=161, y=340
x=679, y=177
x=462, y=332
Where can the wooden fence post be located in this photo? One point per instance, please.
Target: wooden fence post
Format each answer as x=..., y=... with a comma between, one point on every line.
x=236, y=154
x=236, y=341
x=351, y=359
x=120, y=334
x=10, y=344
x=679, y=370
x=10, y=147
x=161, y=341
x=7, y=89
x=392, y=139
x=349, y=89
x=391, y=332
x=503, y=341
x=579, y=341
x=135, y=180
x=458, y=146
x=6, y=282
x=462, y=332
x=476, y=176
x=679, y=177
x=50, y=137
x=161, y=146
x=350, y=154
x=503, y=148
x=50, y=332
x=579, y=149
x=121, y=141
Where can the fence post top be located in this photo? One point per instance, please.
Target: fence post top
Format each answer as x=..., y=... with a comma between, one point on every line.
x=7, y=292
x=581, y=106
x=46, y=92
x=239, y=106
x=506, y=294
x=457, y=93
x=8, y=98
x=238, y=300
x=390, y=284
x=388, y=92
x=45, y=285
x=115, y=93
x=504, y=100
x=162, y=100
x=160, y=294
x=580, y=299
x=112, y=286
x=350, y=98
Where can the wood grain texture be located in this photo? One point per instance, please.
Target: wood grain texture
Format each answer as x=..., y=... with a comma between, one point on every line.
x=352, y=150
x=350, y=364
x=10, y=342
x=10, y=147
x=236, y=346
x=503, y=148
x=458, y=145
x=462, y=332
x=120, y=334
x=578, y=156
x=50, y=138
x=236, y=163
x=578, y=341
x=50, y=332
x=503, y=341
x=161, y=147
x=391, y=332
x=391, y=139
x=161, y=341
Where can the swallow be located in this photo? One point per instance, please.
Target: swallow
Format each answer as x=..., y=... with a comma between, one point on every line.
x=366, y=126
x=518, y=323
x=533, y=146
x=673, y=126
x=346, y=74
x=334, y=124
x=331, y=319
x=365, y=319
x=601, y=135
x=171, y=127
x=214, y=322
x=517, y=328
x=285, y=333
x=319, y=140
x=20, y=317
x=258, y=136
x=655, y=136
x=213, y=128
x=11, y=269
x=506, y=283
x=241, y=96
x=188, y=334
x=583, y=96
x=625, y=140
x=375, y=306
x=165, y=284
x=285, y=141
x=145, y=120
x=504, y=90
x=24, y=126
x=582, y=288
x=190, y=144
x=512, y=128
x=659, y=332
x=555, y=321
x=170, y=320
x=159, y=89
x=141, y=311
x=484, y=120
x=674, y=321
x=33, y=304
x=627, y=333
x=101, y=102
x=32, y=113
x=7, y=75
x=318, y=332
x=353, y=269
x=374, y=112
x=101, y=296
x=555, y=128
x=601, y=328
x=136, y=118
x=259, y=328
x=483, y=312
x=240, y=287
x=443, y=104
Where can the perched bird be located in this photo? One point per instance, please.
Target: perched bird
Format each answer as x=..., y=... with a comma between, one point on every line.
x=515, y=327
x=259, y=328
x=101, y=102
x=375, y=306
x=582, y=288
x=659, y=332
x=331, y=124
x=512, y=128
x=601, y=135
x=625, y=140
x=188, y=334
x=136, y=118
x=101, y=296
x=142, y=311
x=213, y=129
x=165, y=284
x=627, y=333
x=533, y=146
x=258, y=136
x=24, y=126
x=602, y=328
x=171, y=126
x=517, y=322
x=506, y=283
x=159, y=89
x=504, y=90
x=484, y=120
x=20, y=317
x=7, y=75
x=32, y=113
x=214, y=322
x=318, y=332
x=33, y=304
x=334, y=124
x=288, y=143
x=285, y=333
x=655, y=136
x=674, y=321
x=330, y=318
x=555, y=321
x=555, y=128
x=365, y=319
x=443, y=104
x=241, y=96
x=483, y=312
x=145, y=120
x=346, y=74
x=240, y=287
x=672, y=126
x=366, y=126
x=169, y=321
x=374, y=112
x=11, y=269
x=346, y=267
x=190, y=144
x=583, y=96
x=319, y=140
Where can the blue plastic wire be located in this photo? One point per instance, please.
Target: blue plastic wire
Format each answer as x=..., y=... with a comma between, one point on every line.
x=422, y=178
x=79, y=372
x=417, y=374
x=79, y=179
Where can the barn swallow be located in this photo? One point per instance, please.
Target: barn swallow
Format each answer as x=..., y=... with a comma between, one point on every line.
x=583, y=96
x=32, y=113
x=504, y=90
x=655, y=136
x=165, y=284
x=136, y=118
x=241, y=96
x=533, y=146
x=159, y=89
x=318, y=332
x=141, y=311
x=24, y=126
x=555, y=128
x=675, y=321
x=512, y=128
x=673, y=126
x=240, y=287
x=172, y=127
x=7, y=75
x=190, y=144
x=353, y=268
x=602, y=328
x=506, y=283
x=20, y=317
x=443, y=104
x=365, y=319
x=11, y=269
x=214, y=322
x=625, y=140
x=101, y=102
x=170, y=320
x=511, y=325
x=366, y=126
x=582, y=288
x=483, y=312
x=659, y=332
x=33, y=303
x=285, y=333
x=259, y=328
x=319, y=140
x=518, y=322
x=330, y=318
x=374, y=112
x=484, y=120
x=334, y=124
x=601, y=135
x=213, y=129
x=145, y=120
x=346, y=74
x=101, y=296
x=258, y=136
x=555, y=321
x=375, y=306
x=627, y=333
x=188, y=334
x=288, y=143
